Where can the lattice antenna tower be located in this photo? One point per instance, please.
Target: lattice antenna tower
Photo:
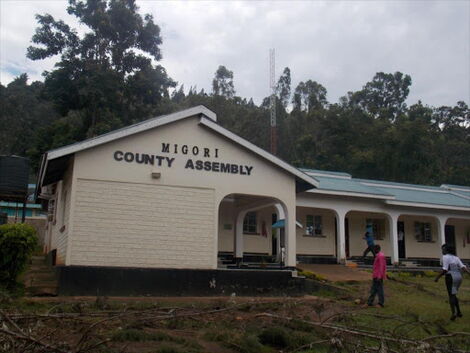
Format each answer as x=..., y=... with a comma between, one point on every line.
x=272, y=100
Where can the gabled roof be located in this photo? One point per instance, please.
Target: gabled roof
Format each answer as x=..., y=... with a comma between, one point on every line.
x=55, y=162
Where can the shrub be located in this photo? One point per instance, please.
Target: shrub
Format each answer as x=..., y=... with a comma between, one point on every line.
x=312, y=275
x=274, y=337
x=17, y=243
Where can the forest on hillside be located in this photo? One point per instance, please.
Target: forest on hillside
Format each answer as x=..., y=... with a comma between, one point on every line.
x=110, y=77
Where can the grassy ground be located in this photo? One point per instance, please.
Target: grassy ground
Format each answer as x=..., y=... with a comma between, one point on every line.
x=415, y=319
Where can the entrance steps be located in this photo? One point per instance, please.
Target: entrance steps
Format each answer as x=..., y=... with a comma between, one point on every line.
x=40, y=279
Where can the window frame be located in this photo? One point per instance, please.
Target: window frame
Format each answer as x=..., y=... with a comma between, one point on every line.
x=313, y=225
x=250, y=223
x=423, y=232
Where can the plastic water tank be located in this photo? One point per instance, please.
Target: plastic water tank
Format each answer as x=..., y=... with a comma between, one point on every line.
x=14, y=175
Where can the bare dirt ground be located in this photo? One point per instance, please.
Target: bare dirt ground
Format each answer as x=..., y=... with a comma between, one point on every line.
x=337, y=273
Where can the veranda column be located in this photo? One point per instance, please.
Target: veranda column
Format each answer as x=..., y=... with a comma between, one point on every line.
x=393, y=229
x=239, y=235
x=341, y=236
x=441, y=229
x=291, y=244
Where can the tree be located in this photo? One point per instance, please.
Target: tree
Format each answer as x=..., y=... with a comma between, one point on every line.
x=222, y=84
x=309, y=96
x=104, y=72
x=384, y=96
x=283, y=87
x=23, y=111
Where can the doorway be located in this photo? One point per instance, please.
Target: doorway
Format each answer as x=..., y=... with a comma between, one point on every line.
x=450, y=237
x=401, y=240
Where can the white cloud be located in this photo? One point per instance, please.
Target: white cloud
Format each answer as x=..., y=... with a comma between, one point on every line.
x=339, y=44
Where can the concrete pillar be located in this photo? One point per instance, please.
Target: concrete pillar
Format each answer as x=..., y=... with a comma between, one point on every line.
x=291, y=243
x=239, y=234
x=341, y=236
x=393, y=230
x=280, y=215
x=441, y=229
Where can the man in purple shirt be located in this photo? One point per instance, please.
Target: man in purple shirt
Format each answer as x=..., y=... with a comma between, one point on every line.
x=378, y=275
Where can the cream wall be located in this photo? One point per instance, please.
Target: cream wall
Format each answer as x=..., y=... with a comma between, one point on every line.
x=357, y=228
x=252, y=243
x=57, y=229
x=421, y=249
x=309, y=245
x=98, y=165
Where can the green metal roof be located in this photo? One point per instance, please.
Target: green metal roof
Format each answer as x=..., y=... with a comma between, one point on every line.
x=428, y=197
x=445, y=195
x=348, y=185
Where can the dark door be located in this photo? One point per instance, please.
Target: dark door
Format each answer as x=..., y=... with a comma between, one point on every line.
x=401, y=240
x=450, y=236
x=346, y=235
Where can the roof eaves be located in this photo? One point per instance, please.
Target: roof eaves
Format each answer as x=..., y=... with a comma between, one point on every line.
x=426, y=205
x=315, y=172
x=352, y=193
x=266, y=155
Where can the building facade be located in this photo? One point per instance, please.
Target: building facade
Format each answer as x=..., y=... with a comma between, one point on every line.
x=179, y=191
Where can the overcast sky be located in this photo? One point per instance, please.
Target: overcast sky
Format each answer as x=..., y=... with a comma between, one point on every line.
x=340, y=44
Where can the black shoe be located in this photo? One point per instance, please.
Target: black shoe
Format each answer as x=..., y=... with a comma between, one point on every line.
x=453, y=317
x=459, y=315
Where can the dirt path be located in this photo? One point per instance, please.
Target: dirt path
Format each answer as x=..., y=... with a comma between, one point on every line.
x=337, y=273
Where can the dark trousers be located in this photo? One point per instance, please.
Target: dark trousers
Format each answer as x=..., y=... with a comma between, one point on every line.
x=376, y=289
x=370, y=248
x=453, y=301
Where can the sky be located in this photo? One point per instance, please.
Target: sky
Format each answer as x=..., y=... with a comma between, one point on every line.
x=340, y=44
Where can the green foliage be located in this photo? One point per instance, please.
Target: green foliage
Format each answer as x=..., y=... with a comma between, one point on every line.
x=430, y=274
x=250, y=344
x=312, y=275
x=17, y=243
x=275, y=337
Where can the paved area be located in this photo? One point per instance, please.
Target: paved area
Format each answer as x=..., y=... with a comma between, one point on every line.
x=337, y=273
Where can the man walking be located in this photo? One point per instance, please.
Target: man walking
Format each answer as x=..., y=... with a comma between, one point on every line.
x=370, y=244
x=378, y=275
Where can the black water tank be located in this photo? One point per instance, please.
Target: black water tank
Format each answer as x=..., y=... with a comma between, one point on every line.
x=14, y=175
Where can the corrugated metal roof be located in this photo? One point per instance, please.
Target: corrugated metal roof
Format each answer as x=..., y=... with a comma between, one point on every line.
x=446, y=195
x=347, y=185
x=428, y=197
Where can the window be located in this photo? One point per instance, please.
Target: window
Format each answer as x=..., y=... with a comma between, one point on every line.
x=64, y=205
x=250, y=223
x=313, y=225
x=376, y=227
x=423, y=232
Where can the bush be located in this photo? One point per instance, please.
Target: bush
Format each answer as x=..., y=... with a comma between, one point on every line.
x=274, y=337
x=17, y=243
x=312, y=275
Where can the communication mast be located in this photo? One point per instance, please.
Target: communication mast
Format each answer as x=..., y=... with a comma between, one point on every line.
x=272, y=100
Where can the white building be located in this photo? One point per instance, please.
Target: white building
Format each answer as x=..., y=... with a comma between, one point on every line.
x=177, y=191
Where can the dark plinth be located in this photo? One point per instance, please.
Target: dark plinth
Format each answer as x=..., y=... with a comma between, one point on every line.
x=118, y=281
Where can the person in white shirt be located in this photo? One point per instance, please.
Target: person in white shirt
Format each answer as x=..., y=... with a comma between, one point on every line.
x=452, y=268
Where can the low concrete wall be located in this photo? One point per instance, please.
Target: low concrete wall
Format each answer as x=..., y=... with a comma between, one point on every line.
x=115, y=281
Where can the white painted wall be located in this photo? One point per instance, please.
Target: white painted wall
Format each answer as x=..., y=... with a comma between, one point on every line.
x=96, y=170
x=314, y=245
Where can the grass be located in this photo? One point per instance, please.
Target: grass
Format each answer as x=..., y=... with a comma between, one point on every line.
x=416, y=307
